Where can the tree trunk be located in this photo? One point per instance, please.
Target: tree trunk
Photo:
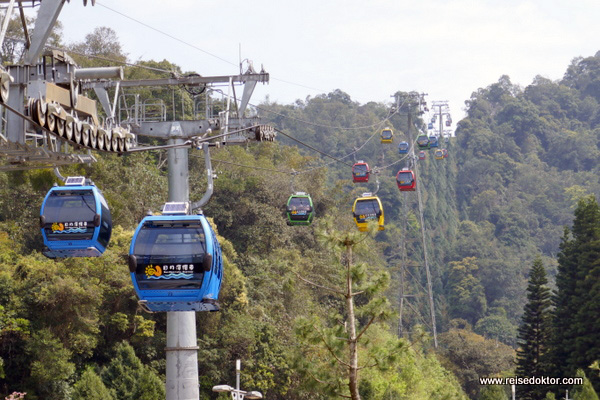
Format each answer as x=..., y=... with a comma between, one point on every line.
x=352, y=342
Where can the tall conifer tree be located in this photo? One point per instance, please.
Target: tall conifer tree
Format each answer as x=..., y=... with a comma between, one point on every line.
x=534, y=332
x=577, y=300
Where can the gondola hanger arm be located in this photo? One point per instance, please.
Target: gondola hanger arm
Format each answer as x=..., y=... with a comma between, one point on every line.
x=209, y=175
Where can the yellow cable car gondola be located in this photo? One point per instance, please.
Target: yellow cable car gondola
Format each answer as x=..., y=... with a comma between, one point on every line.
x=367, y=208
x=387, y=135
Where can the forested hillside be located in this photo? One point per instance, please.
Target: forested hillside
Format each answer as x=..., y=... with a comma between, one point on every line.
x=518, y=168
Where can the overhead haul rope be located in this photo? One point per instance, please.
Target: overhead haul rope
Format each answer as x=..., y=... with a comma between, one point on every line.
x=111, y=60
x=166, y=34
x=247, y=166
x=349, y=128
x=425, y=255
x=196, y=47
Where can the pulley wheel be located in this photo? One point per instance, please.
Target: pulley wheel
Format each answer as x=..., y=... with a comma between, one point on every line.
x=39, y=112
x=115, y=143
x=4, y=90
x=77, y=136
x=60, y=127
x=121, y=142
x=127, y=144
x=101, y=134
x=93, y=134
x=85, y=135
x=50, y=121
x=107, y=142
x=69, y=127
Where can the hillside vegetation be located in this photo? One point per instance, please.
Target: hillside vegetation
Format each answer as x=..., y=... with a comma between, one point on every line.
x=522, y=165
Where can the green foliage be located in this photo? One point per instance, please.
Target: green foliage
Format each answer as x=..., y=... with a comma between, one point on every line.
x=575, y=333
x=497, y=326
x=470, y=356
x=50, y=365
x=493, y=392
x=467, y=298
x=90, y=387
x=521, y=160
x=342, y=342
x=535, y=332
x=585, y=391
x=127, y=378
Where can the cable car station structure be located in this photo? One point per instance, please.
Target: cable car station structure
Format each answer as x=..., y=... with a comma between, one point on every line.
x=58, y=123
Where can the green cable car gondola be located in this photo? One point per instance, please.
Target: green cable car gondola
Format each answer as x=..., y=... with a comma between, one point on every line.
x=299, y=209
x=423, y=141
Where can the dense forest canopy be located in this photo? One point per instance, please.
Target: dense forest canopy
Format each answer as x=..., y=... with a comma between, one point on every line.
x=519, y=165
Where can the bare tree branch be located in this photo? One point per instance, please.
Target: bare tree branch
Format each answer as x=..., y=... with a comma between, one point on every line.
x=366, y=327
x=319, y=286
x=367, y=366
x=331, y=351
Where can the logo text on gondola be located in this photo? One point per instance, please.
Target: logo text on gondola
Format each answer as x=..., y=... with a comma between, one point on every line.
x=169, y=269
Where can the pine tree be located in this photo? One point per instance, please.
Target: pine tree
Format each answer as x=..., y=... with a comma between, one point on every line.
x=534, y=332
x=577, y=300
x=331, y=352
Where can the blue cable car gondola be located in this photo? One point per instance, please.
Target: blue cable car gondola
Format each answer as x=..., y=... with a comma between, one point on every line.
x=423, y=141
x=175, y=261
x=433, y=141
x=430, y=126
x=299, y=209
x=403, y=147
x=75, y=220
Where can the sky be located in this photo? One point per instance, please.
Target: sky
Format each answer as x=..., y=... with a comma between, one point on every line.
x=369, y=49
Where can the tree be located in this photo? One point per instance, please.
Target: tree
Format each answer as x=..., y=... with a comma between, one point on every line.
x=466, y=298
x=534, y=332
x=102, y=42
x=13, y=47
x=585, y=391
x=129, y=379
x=493, y=392
x=332, y=351
x=90, y=387
x=577, y=300
x=471, y=356
x=51, y=368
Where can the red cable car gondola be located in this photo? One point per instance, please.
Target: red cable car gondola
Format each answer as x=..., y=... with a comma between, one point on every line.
x=406, y=180
x=360, y=172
